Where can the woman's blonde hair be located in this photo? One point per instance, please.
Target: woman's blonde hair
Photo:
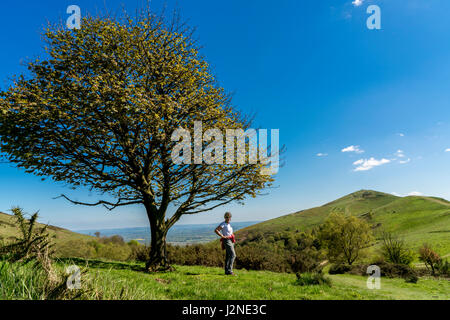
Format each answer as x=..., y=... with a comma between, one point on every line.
x=227, y=214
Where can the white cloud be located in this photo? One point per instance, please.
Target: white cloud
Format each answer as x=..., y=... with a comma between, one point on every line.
x=412, y=193
x=322, y=154
x=357, y=3
x=400, y=154
x=401, y=134
x=447, y=150
x=355, y=149
x=367, y=164
x=404, y=161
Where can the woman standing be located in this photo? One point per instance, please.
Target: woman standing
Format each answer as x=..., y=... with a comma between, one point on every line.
x=225, y=232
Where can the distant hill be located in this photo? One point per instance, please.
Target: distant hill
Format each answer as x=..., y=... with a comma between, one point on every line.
x=178, y=234
x=417, y=219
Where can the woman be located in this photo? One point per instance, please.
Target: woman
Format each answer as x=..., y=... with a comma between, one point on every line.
x=225, y=232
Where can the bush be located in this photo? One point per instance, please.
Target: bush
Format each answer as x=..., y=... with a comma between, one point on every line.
x=387, y=269
x=413, y=278
x=430, y=258
x=443, y=267
x=32, y=243
x=395, y=251
x=311, y=279
x=260, y=257
x=308, y=256
x=196, y=255
x=345, y=237
x=339, y=268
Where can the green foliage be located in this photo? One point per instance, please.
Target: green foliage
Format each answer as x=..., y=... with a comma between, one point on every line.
x=443, y=267
x=387, y=269
x=345, y=237
x=312, y=279
x=416, y=219
x=32, y=244
x=307, y=256
x=27, y=265
x=103, y=108
x=431, y=259
x=339, y=268
x=256, y=256
x=394, y=250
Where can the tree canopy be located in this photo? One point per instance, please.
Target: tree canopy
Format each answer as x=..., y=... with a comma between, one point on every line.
x=100, y=110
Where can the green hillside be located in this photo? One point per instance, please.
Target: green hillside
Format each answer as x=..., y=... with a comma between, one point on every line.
x=417, y=219
x=64, y=239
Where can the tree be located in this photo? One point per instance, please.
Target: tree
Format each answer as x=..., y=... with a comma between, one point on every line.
x=395, y=250
x=101, y=109
x=345, y=237
x=429, y=257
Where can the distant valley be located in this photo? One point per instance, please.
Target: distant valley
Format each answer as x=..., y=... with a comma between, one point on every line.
x=178, y=234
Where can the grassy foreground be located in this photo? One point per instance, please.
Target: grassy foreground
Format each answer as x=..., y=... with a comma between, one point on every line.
x=125, y=281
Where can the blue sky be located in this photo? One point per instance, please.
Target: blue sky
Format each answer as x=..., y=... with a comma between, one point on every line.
x=311, y=69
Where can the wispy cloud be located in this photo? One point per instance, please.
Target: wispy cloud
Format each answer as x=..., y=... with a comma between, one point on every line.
x=355, y=149
x=357, y=3
x=412, y=193
x=400, y=154
x=401, y=134
x=322, y=154
x=367, y=164
x=447, y=150
x=404, y=161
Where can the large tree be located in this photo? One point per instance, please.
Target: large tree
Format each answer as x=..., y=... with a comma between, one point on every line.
x=100, y=110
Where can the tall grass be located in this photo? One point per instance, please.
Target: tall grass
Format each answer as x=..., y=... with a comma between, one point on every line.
x=19, y=281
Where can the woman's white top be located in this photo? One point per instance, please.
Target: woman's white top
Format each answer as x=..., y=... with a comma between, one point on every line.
x=226, y=229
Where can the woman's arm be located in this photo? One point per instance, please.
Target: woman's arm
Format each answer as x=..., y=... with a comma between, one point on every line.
x=217, y=231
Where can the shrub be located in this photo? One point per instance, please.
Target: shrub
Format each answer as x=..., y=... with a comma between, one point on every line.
x=345, y=237
x=260, y=257
x=32, y=243
x=429, y=257
x=413, y=278
x=307, y=257
x=311, y=279
x=387, y=269
x=339, y=268
x=443, y=267
x=27, y=269
x=395, y=251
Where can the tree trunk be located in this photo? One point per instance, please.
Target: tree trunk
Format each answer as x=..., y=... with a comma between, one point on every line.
x=158, y=251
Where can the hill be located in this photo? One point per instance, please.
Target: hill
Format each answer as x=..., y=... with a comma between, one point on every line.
x=417, y=219
x=63, y=238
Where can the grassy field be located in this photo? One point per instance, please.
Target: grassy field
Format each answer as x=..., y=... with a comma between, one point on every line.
x=416, y=219
x=116, y=280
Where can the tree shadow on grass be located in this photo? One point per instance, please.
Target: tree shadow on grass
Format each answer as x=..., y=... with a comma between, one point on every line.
x=103, y=264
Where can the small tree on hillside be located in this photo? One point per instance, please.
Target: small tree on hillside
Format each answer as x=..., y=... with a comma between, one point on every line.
x=101, y=109
x=345, y=237
x=429, y=257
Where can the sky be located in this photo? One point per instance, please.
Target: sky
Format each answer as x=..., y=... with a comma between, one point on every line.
x=356, y=108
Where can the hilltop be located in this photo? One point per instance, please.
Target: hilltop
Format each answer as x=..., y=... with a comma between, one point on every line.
x=417, y=219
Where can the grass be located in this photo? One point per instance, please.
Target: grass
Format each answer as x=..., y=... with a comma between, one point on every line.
x=195, y=282
x=118, y=280
x=127, y=281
